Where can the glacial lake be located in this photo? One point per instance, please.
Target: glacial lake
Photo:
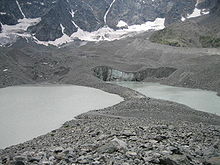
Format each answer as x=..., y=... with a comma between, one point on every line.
x=201, y=100
x=30, y=111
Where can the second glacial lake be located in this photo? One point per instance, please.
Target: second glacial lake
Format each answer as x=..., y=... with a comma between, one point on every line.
x=202, y=100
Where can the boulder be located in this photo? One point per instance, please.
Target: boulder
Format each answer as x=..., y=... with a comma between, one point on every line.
x=214, y=161
x=175, y=160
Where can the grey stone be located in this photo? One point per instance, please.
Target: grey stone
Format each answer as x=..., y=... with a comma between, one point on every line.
x=110, y=147
x=175, y=160
x=214, y=161
x=20, y=158
x=19, y=162
x=128, y=133
x=46, y=163
x=131, y=154
x=57, y=149
x=121, y=144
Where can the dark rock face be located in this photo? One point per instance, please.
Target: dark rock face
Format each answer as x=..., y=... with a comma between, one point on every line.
x=207, y=4
x=35, y=9
x=8, y=19
x=10, y=12
x=89, y=15
x=45, y=32
x=178, y=10
x=216, y=8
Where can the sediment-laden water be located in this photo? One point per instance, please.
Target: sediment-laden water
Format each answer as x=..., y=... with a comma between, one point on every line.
x=202, y=100
x=30, y=111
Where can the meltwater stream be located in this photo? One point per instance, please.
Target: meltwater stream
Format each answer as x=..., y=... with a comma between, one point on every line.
x=29, y=111
x=202, y=100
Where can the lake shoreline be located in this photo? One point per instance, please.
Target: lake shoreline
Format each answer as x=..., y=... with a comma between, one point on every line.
x=121, y=130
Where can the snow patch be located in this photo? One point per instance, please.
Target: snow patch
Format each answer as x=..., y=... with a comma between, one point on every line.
x=60, y=41
x=62, y=28
x=72, y=13
x=75, y=24
x=5, y=70
x=19, y=7
x=107, y=34
x=122, y=24
x=158, y=24
x=10, y=33
x=183, y=18
x=196, y=13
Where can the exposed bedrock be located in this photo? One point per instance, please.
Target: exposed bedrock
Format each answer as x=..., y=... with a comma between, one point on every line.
x=107, y=73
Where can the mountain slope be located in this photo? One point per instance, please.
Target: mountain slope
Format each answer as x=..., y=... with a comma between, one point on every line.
x=55, y=17
x=66, y=17
x=203, y=31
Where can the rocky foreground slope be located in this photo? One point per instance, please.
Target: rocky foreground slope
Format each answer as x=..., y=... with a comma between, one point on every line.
x=137, y=131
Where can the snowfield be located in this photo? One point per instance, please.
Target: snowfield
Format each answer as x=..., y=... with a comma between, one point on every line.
x=10, y=33
x=106, y=33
